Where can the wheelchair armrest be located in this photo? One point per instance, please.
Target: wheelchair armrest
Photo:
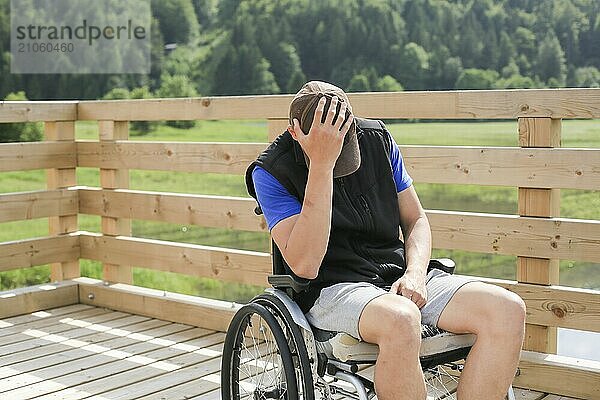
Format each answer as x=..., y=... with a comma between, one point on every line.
x=445, y=264
x=287, y=282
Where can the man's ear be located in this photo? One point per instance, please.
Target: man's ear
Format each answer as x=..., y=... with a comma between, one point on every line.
x=290, y=129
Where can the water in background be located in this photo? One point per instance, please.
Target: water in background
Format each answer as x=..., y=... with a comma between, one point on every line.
x=579, y=344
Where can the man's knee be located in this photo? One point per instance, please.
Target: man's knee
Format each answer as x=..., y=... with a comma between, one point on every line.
x=391, y=319
x=505, y=312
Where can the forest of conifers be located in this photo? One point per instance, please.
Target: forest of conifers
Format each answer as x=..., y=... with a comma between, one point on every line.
x=230, y=47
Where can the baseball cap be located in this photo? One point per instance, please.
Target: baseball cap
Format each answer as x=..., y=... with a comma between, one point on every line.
x=303, y=108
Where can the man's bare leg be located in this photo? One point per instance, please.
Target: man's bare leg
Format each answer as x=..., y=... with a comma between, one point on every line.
x=394, y=323
x=497, y=317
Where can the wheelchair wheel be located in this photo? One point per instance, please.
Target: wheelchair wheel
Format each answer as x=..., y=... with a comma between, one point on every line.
x=257, y=363
x=442, y=380
x=292, y=332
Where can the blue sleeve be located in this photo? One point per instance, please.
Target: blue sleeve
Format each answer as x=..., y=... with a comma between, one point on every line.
x=275, y=201
x=401, y=177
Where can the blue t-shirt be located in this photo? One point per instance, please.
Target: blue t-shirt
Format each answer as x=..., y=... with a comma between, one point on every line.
x=278, y=204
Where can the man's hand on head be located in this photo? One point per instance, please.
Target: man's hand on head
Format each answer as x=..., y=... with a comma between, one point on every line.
x=412, y=286
x=323, y=143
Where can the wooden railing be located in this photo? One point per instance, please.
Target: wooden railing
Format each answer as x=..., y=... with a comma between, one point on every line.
x=539, y=168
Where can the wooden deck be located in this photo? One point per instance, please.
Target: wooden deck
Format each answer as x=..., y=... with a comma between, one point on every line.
x=80, y=351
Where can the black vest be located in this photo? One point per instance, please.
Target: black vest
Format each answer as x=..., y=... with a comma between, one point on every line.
x=364, y=244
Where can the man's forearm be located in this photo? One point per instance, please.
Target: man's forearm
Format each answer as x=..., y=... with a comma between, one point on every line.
x=307, y=243
x=418, y=247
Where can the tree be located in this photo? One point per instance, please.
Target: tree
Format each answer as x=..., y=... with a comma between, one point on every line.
x=295, y=82
x=244, y=70
x=587, y=77
x=359, y=83
x=117, y=93
x=388, y=84
x=515, y=81
x=177, y=86
x=507, y=51
x=20, y=131
x=451, y=70
x=473, y=78
x=284, y=63
x=414, y=65
x=178, y=22
x=550, y=62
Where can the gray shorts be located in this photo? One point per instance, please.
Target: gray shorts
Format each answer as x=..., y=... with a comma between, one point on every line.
x=340, y=306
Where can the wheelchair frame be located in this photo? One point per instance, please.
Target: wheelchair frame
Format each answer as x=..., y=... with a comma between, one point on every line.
x=306, y=371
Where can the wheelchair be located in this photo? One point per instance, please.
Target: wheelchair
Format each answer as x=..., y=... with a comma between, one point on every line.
x=272, y=352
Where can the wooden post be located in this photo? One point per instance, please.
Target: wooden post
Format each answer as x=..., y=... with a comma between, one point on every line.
x=276, y=127
x=58, y=178
x=115, y=179
x=539, y=132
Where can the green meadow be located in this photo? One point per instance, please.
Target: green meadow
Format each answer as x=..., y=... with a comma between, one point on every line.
x=574, y=203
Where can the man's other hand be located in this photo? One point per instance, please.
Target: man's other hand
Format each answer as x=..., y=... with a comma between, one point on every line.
x=323, y=144
x=412, y=286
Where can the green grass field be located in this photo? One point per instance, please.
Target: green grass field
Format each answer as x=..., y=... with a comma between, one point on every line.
x=574, y=203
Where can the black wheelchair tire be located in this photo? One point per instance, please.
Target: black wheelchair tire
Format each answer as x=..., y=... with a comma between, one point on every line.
x=275, y=305
x=231, y=356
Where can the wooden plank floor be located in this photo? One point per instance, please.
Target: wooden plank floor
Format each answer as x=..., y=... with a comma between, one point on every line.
x=80, y=351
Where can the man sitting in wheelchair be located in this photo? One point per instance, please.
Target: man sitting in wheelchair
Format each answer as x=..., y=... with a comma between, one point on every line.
x=335, y=193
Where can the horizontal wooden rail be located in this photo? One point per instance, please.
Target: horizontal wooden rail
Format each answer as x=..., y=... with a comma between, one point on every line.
x=472, y=104
x=196, y=260
x=40, y=297
x=40, y=251
x=226, y=158
x=26, y=111
x=185, y=309
x=560, y=375
x=38, y=155
x=567, y=239
x=504, y=166
x=548, y=306
x=203, y=210
x=558, y=306
x=558, y=238
x=517, y=167
x=38, y=204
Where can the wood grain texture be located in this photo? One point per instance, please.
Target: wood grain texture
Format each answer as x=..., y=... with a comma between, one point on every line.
x=560, y=238
x=32, y=252
x=196, y=260
x=40, y=297
x=60, y=178
x=227, y=158
x=559, y=375
x=539, y=202
x=539, y=132
x=27, y=111
x=212, y=211
x=504, y=166
x=541, y=271
x=39, y=155
x=557, y=306
x=489, y=104
x=192, y=310
x=38, y=204
x=551, y=168
x=109, y=132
